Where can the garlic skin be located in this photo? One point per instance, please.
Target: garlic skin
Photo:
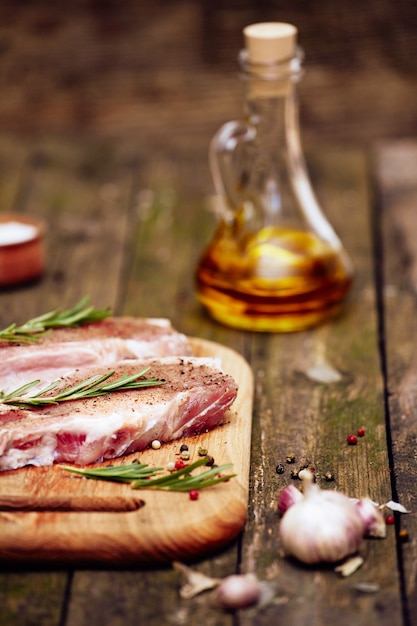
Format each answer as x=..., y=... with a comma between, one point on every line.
x=195, y=582
x=372, y=518
x=287, y=497
x=238, y=591
x=323, y=526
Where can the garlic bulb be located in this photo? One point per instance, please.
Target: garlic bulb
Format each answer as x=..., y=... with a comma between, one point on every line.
x=238, y=591
x=322, y=526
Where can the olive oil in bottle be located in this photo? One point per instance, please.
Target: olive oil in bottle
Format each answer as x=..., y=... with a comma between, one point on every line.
x=275, y=262
x=275, y=280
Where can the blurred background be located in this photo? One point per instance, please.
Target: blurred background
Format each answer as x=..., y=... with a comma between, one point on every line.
x=164, y=72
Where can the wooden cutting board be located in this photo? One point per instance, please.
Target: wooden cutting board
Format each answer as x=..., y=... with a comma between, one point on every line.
x=169, y=526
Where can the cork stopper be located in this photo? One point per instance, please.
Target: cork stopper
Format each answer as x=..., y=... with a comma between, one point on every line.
x=270, y=42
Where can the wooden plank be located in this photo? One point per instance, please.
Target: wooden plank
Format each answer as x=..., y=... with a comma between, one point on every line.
x=396, y=164
x=175, y=223
x=32, y=597
x=296, y=414
x=128, y=598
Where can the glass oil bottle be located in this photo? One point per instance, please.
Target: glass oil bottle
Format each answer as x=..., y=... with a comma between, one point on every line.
x=275, y=263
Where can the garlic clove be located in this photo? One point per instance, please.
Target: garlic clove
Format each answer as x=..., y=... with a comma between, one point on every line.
x=372, y=518
x=287, y=497
x=323, y=526
x=238, y=591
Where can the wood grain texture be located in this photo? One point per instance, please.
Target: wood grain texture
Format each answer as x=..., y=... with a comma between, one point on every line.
x=395, y=170
x=31, y=502
x=168, y=527
x=296, y=413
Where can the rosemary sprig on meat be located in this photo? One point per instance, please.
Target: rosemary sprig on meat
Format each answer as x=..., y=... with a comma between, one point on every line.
x=39, y=326
x=141, y=476
x=88, y=388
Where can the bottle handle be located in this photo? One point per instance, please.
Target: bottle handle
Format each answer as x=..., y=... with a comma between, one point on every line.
x=227, y=172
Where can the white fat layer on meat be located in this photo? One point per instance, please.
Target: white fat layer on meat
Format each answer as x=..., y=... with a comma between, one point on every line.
x=146, y=419
x=40, y=455
x=143, y=416
x=96, y=425
x=209, y=361
x=51, y=362
x=157, y=347
x=70, y=353
x=159, y=321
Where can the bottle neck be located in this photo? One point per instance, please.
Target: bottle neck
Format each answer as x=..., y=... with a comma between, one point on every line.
x=270, y=80
x=271, y=103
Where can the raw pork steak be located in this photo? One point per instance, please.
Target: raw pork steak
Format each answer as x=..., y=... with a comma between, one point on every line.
x=62, y=351
x=193, y=399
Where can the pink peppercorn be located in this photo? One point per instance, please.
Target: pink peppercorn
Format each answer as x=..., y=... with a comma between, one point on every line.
x=193, y=494
x=390, y=519
x=352, y=441
x=361, y=432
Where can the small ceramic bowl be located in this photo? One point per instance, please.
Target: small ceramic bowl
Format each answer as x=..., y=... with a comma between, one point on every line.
x=22, y=254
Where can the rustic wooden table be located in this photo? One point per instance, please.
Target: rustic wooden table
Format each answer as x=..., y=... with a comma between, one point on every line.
x=127, y=219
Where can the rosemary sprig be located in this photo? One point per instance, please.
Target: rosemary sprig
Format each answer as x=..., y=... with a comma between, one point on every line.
x=183, y=480
x=141, y=476
x=88, y=388
x=119, y=474
x=39, y=326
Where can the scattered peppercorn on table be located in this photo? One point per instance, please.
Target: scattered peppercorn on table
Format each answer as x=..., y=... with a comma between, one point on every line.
x=126, y=220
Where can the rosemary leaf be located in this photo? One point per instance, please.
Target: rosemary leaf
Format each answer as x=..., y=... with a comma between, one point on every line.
x=88, y=388
x=123, y=473
x=141, y=476
x=37, y=327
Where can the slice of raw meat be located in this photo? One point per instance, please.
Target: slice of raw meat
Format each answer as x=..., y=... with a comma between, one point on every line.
x=193, y=399
x=63, y=351
x=153, y=331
